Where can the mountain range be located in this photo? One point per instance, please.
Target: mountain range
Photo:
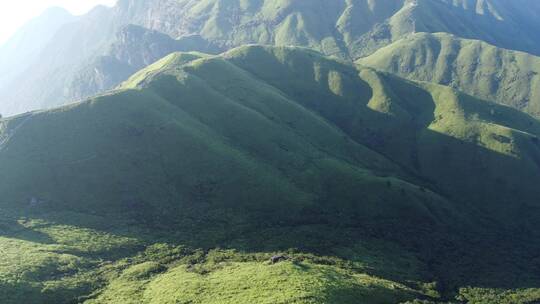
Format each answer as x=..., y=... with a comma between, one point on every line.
x=285, y=151
x=348, y=29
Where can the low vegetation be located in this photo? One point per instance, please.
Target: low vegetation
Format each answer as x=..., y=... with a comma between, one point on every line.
x=181, y=185
x=472, y=66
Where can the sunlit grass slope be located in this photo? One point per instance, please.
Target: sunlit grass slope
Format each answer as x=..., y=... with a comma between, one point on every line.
x=180, y=185
x=251, y=282
x=437, y=132
x=46, y=262
x=504, y=76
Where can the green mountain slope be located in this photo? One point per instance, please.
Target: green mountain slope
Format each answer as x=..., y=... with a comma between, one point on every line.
x=348, y=29
x=275, y=146
x=134, y=48
x=179, y=186
x=507, y=77
x=506, y=24
x=224, y=24
x=416, y=124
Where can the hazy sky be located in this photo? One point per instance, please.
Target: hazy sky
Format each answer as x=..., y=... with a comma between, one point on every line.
x=14, y=13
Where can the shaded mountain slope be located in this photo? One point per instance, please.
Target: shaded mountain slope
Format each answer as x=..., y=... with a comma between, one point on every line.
x=273, y=144
x=507, y=77
x=135, y=47
x=186, y=163
x=199, y=168
x=416, y=125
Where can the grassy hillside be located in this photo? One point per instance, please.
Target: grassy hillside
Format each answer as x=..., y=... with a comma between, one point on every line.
x=434, y=131
x=347, y=29
x=325, y=26
x=135, y=47
x=506, y=24
x=180, y=185
x=507, y=77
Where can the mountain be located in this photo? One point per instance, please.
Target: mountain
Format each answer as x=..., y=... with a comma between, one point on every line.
x=135, y=47
x=200, y=168
x=66, y=57
x=348, y=29
x=272, y=151
x=488, y=72
x=23, y=49
x=506, y=24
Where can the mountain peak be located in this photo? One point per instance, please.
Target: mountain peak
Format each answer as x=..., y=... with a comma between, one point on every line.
x=56, y=11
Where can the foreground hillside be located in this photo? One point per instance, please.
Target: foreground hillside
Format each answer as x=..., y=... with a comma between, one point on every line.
x=507, y=77
x=179, y=187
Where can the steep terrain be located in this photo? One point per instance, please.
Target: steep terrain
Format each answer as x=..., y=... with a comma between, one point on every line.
x=506, y=24
x=348, y=29
x=135, y=47
x=225, y=24
x=508, y=77
x=199, y=168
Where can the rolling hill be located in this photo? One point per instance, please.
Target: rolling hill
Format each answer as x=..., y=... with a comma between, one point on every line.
x=199, y=168
x=504, y=76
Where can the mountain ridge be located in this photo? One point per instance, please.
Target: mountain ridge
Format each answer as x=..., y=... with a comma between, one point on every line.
x=263, y=151
x=505, y=76
x=347, y=29
x=203, y=151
